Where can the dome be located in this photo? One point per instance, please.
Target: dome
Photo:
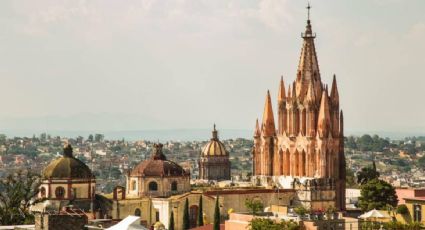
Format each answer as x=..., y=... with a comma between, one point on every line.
x=215, y=147
x=67, y=167
x=158, y=166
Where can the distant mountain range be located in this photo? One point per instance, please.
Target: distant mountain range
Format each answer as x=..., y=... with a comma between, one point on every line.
x=179, y=134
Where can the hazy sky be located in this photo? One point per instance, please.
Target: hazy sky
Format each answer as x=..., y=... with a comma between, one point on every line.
x=155, y=64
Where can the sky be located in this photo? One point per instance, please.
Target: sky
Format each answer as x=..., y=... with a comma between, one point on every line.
x=186, y=64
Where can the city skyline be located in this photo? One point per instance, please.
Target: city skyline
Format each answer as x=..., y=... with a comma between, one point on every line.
x=179, y=65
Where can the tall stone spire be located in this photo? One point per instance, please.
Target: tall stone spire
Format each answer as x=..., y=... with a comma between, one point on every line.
x=324, y=119
x=257, y=131
x=311, y=96
x=282, y=95
x=308, y=66
x=334, y=92
x=268, y=127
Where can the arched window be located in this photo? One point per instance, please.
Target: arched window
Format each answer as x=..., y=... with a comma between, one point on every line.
x=133, y=185
x=174, y=186
x=60, y=192
x=137, y=212
x=153, y=186
x=43, y=192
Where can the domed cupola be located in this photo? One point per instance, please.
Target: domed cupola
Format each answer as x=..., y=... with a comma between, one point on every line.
x=68, y=178
x=215, y=147
x=158, y=165
x=67, y=167
x=214, y=161
x=157, y=177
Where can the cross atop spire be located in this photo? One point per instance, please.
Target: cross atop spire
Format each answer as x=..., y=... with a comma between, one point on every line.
x=308, y=11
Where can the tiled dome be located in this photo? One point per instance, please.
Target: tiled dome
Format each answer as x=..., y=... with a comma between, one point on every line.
x=67, y=167
x=214, y=147
x=158, y=166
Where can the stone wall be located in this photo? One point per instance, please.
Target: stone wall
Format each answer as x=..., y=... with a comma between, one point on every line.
x=59, y=221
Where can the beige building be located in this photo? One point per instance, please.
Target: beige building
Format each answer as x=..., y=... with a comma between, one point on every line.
x=158, y=209
x=157, y=177
x=157, y=187
x=68, y=179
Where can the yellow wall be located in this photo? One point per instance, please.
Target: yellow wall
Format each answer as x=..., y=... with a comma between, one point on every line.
x=410, y=205
x=235, y=201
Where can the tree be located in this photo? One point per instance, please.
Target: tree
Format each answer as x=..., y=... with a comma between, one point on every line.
x=421, y=162
x=254, y=205
x=90, y=138
x=350, y=178
x=186, y=222
x=98, y=137
x=216, y=225
x=350, y=142
x=200, y=213
x=269, y=224
x=17, y=193
x=171, y=222
x=402, y=209
x=366, y=174
x=377, y=194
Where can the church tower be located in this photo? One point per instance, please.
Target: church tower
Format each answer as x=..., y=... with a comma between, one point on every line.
x=307, y=144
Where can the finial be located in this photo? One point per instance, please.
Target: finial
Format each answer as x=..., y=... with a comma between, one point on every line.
x=157, y=152
x=67, y=150
x=308, y=11
x=214, y=134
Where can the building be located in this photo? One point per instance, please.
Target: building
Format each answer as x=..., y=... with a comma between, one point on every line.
x=214, y=163
x=157, y=177
x=68, y=179
x=158, y=209
x=415, y=206
x=306, y=142
x=155, y=202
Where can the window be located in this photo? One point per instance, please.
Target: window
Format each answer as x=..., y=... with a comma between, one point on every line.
x=174, y=186
x=153, y=186
x=157, y=216
x=60, y=192
x=137, y=212
x=133, y=185
x=43, y=192
x=417, y=210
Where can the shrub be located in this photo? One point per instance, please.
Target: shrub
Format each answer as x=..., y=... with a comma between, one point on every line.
x=402, y=209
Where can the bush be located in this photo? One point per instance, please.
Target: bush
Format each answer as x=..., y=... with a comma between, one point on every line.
x=255, y=206
x=300, y=210
x=402, y=209
x=268, y=224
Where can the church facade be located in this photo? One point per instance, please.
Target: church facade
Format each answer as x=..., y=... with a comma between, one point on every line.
x=305, y=144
